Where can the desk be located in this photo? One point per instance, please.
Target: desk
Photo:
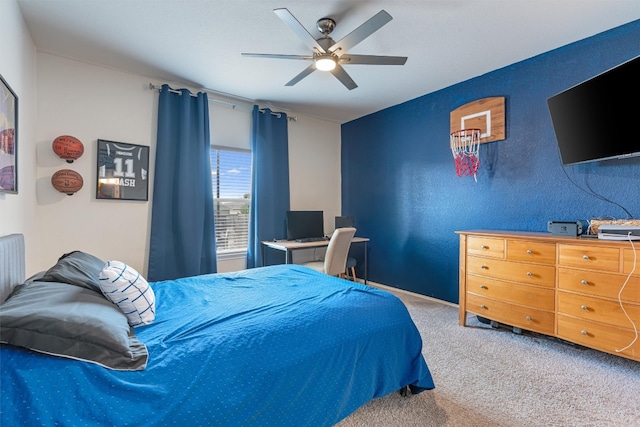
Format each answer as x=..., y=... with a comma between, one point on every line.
x=288, y=246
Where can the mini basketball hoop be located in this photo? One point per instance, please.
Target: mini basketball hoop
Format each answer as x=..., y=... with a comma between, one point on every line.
x=465, y=145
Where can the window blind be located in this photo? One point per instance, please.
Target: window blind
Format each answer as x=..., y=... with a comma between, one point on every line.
x=231, y=182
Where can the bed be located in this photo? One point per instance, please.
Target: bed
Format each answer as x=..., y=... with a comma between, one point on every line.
x=278, y=345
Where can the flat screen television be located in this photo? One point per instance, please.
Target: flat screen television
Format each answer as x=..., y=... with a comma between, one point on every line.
x=597, y=119
x=304, y=224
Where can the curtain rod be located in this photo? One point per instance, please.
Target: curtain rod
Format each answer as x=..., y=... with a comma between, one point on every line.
x=227, y=103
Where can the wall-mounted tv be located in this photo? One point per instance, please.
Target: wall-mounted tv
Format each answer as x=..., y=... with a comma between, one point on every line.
x=304, y=224
x=596, y=119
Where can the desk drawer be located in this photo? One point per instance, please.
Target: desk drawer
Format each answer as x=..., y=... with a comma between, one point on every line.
x=531, y=274
x=530, y=296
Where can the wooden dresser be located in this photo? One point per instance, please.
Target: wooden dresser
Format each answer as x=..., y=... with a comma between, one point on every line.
x=567, y=287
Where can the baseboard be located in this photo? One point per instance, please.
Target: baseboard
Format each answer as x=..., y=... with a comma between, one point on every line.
x=409, y=293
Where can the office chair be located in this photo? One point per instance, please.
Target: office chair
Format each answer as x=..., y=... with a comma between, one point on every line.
x=350, y=271
x=335, y=259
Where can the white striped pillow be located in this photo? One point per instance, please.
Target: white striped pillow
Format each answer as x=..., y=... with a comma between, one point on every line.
x=127, y=289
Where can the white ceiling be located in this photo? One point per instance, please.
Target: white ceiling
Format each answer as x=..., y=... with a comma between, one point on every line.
x=199, y=43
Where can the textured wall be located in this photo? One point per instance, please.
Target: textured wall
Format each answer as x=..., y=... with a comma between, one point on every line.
x=399, y=181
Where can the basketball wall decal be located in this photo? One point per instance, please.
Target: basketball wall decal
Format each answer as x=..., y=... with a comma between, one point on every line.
x=68, y=147
x=67, y=181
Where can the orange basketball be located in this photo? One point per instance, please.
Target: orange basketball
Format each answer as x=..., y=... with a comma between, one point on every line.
x=68, y=147
x=67, y=181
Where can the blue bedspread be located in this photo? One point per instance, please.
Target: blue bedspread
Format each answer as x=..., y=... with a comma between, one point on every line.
x=274, y=346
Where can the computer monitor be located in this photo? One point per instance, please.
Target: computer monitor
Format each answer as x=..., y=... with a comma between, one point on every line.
x=304, y=224
x=344, y=221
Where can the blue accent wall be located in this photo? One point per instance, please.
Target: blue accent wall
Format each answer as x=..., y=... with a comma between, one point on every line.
x=399, y=180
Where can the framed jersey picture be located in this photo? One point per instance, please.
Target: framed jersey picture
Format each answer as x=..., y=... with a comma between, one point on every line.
x=122, y=171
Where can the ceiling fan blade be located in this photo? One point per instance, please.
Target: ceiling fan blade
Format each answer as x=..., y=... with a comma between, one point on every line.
x=299, y=29
x=373, y=60
x=361, y=33
x=310, y=69
x=344, y=78
x=277, y=56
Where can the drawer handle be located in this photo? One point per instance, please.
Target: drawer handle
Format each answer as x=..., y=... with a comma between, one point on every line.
x=482, y=306
x=483, y=247
x=529, y=251
x=585, y=256
x=584, y=282
x=584, y=307
x=483, y=287
x=583, y=332
x=528, y=318
x=529, y=274
x=484, y=267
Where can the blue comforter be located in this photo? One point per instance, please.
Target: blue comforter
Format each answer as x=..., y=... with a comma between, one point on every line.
x=278, y=346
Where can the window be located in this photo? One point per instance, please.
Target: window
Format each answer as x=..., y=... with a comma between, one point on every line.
x=231, y=182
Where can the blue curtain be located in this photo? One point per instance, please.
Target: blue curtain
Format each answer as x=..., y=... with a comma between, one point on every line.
x=269, y=181
x=182, y=225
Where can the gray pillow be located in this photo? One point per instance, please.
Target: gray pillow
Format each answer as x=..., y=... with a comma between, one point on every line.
x=72, y=322
x=76, y=268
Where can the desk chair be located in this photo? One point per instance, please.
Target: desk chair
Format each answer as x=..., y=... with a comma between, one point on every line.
x=350, y=271
x=335, y=259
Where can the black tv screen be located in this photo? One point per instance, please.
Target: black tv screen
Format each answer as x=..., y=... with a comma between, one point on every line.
x=596, y=119
x=304, y=224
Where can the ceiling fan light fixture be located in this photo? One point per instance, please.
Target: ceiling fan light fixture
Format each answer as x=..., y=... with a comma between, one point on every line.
x=329, y=55
x=325, y=63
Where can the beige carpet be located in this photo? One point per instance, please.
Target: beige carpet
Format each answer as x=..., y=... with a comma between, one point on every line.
x=493, y=377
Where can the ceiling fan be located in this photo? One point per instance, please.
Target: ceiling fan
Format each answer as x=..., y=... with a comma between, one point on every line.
x=329, y=55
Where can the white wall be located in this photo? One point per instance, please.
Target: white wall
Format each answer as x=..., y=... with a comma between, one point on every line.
x=314, y=174
x=18, y=68
x=314, y=167
x=92, y=103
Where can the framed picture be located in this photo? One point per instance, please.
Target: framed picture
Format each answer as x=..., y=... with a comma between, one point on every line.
x=122, y=171
x=8, y=139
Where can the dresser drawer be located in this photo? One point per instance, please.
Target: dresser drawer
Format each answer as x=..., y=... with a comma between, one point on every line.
x=599, y=336
x=589, y=257
x=532, y=274
x=511, y=314
x=628, y=261
x=485, y=246
x=599, y=284
x=527, y=251
x=596, y=309
x=531, y=296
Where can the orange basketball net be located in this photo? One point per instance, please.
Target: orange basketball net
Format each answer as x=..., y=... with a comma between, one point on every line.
x=465, y=145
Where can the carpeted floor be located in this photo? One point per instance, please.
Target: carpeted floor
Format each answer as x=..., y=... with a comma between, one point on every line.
x=493, y=377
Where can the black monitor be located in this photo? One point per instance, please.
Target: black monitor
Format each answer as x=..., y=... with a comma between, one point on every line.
x=344, y=221
x=304, y=224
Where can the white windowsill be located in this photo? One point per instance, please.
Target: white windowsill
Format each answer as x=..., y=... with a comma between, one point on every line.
x=228, y=255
